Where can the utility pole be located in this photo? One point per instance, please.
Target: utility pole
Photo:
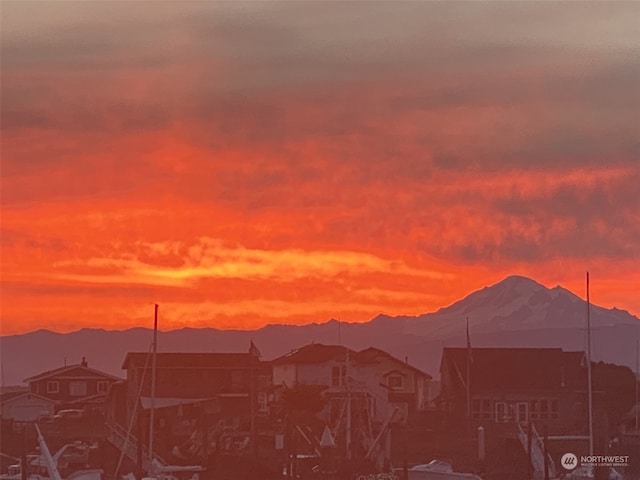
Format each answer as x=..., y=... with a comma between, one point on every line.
x=469, y=360
x=205, y=437
x=252, y=395
x=140, y=450
x=589, y=380
x=405, y=460
x=348, y=385
x=23, y=456
x=529, y=450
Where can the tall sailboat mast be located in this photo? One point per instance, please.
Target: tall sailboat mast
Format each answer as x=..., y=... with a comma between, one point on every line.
x=589, y=384
x=348, y=385
x=637, y=381
x=468, y=377
x=153, y=382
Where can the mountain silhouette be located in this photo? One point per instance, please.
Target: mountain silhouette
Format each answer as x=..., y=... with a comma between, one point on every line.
x=515, y=312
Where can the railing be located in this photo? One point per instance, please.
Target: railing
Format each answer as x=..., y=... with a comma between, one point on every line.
x=128, y=444
x=537, y=451
x=375, y=476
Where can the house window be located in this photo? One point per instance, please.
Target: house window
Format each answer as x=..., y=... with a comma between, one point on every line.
x=522, y=411
x=544, y=409
x=53, y=387
x=395, y=381
x=476, y=408
x=486, y=409
x=262, y=402
x=338, y=375
x=502, y=412
x=78, y=389
x=102, y=387
x=481, y=408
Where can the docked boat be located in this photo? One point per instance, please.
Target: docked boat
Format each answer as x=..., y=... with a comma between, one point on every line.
x=169, y=472
x=438, y=470
x=68, y=463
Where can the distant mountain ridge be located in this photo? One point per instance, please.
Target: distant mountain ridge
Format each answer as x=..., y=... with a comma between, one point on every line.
x=516, y=303
x=514, y=312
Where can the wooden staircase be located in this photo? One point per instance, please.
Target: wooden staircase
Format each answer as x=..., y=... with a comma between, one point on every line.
x=116, y=434
x=537, y=457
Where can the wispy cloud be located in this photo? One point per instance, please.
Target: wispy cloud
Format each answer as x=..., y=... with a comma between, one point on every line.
x=213, y=259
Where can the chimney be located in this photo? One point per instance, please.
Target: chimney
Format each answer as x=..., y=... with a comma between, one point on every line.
x=406, y=360
x=84, y=362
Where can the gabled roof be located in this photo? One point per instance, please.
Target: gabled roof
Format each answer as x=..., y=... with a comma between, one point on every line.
x=319, y=353
x=9, y=395
x=193, y=360
x=372, y=353
x=315, y=353
x=12, y=396
x=515, y=368
x=61, y=370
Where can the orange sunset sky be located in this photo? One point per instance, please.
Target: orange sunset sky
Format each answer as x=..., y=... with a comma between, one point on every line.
x=246, y=163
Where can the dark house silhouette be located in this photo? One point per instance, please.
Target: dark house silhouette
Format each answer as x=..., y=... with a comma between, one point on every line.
x=193, y=391
x=73, y=386
x=543, y=386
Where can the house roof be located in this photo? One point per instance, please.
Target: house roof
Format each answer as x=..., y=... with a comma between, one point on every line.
x=9, y=395
x=315, y=353
x=515, y=368
x=12, y=396
x=62, y=370
x=319, y=353
x=372, y=353
x=193, y=360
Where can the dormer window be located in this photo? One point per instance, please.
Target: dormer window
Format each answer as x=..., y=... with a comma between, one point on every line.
x=53, y=387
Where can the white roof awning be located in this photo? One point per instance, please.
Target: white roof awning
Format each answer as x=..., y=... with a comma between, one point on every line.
x=166, y=402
